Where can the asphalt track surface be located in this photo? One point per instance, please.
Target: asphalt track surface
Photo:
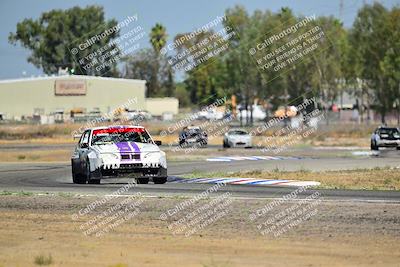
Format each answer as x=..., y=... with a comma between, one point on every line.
x=56, y=178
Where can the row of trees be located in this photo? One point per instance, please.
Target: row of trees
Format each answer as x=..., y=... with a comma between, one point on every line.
x=374, y=56
x=364, y=60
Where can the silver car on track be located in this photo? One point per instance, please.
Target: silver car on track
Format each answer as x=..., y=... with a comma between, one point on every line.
x=237, y=138
x=385, y=137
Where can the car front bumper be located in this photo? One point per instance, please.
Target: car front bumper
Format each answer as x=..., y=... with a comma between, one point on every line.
x=130, y=170
x=239, y=143
x=388, y=143
x=201, y=142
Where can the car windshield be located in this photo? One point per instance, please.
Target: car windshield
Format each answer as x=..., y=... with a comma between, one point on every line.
x=238, y=133
x=115, y=135
x=390, y=132
x=192, y=132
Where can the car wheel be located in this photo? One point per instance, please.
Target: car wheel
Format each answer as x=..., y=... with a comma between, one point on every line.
x=88, y=174
x=142, y=180
x=225, y=145
x=398, y=148
x=160, y=180
x=182, y=144
x=78, y=178
x=373, y=146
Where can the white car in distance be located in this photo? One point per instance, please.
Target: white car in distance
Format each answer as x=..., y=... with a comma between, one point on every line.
x=237, y=138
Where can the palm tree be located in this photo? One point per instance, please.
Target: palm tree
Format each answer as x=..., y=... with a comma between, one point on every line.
x=158, y=37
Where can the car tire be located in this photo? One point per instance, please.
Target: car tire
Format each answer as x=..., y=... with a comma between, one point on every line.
x=159, y=180
x=398, y=148
x=225, y=145
x=88, y=174
x=373, y=146
x=181, y=142
x=142, y=180
x=78, y=178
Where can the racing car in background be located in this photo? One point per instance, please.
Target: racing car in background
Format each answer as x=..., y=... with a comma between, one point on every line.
x=118, y=151
x=385, y=137
x=237, y=138
x=193, y=136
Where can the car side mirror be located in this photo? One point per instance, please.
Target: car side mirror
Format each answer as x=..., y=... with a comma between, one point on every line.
x=158, y=142
x=84, y=145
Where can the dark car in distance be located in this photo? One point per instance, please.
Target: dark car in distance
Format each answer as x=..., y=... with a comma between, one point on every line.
x=193, y=136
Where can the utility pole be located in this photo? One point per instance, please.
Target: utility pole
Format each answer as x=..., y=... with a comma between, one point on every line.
x=398, y=107
x=342, y=80
x=341, y=6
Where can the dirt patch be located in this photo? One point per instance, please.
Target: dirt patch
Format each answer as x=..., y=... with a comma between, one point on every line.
x=339, y=235
x=57, y=155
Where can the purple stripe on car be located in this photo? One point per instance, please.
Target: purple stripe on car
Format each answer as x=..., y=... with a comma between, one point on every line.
x=136, y=149
x=124, y=148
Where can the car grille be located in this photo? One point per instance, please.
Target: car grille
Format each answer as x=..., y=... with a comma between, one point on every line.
x=135, y=169
x=130, y=156
x=131, y=166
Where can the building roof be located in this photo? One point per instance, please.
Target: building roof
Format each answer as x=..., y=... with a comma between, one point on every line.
x=63, y=77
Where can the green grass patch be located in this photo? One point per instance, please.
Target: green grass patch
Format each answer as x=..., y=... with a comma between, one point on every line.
x=43, y=260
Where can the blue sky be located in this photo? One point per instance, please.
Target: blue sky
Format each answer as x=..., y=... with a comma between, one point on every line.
x=177, y=16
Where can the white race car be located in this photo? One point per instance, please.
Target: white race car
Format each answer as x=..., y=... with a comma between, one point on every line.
x=118, y=151
x=237, y=138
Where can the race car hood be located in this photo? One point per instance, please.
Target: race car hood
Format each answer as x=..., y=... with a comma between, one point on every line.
x=126, y=147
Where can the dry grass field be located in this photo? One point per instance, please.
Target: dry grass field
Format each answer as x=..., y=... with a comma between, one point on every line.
x=38, y=230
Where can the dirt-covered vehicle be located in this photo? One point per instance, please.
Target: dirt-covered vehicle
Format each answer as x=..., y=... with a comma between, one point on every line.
x=118, y=151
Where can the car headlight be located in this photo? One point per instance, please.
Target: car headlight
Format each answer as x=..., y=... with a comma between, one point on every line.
x=155, y=158
x=109, y=156
x=152, y=155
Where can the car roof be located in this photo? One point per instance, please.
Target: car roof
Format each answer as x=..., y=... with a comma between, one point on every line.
x=388, y=128
x=193, y=128
x=237, y=129
x=115, y=126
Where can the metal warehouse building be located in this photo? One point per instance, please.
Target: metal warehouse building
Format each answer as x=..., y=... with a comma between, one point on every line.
x=63, y=94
